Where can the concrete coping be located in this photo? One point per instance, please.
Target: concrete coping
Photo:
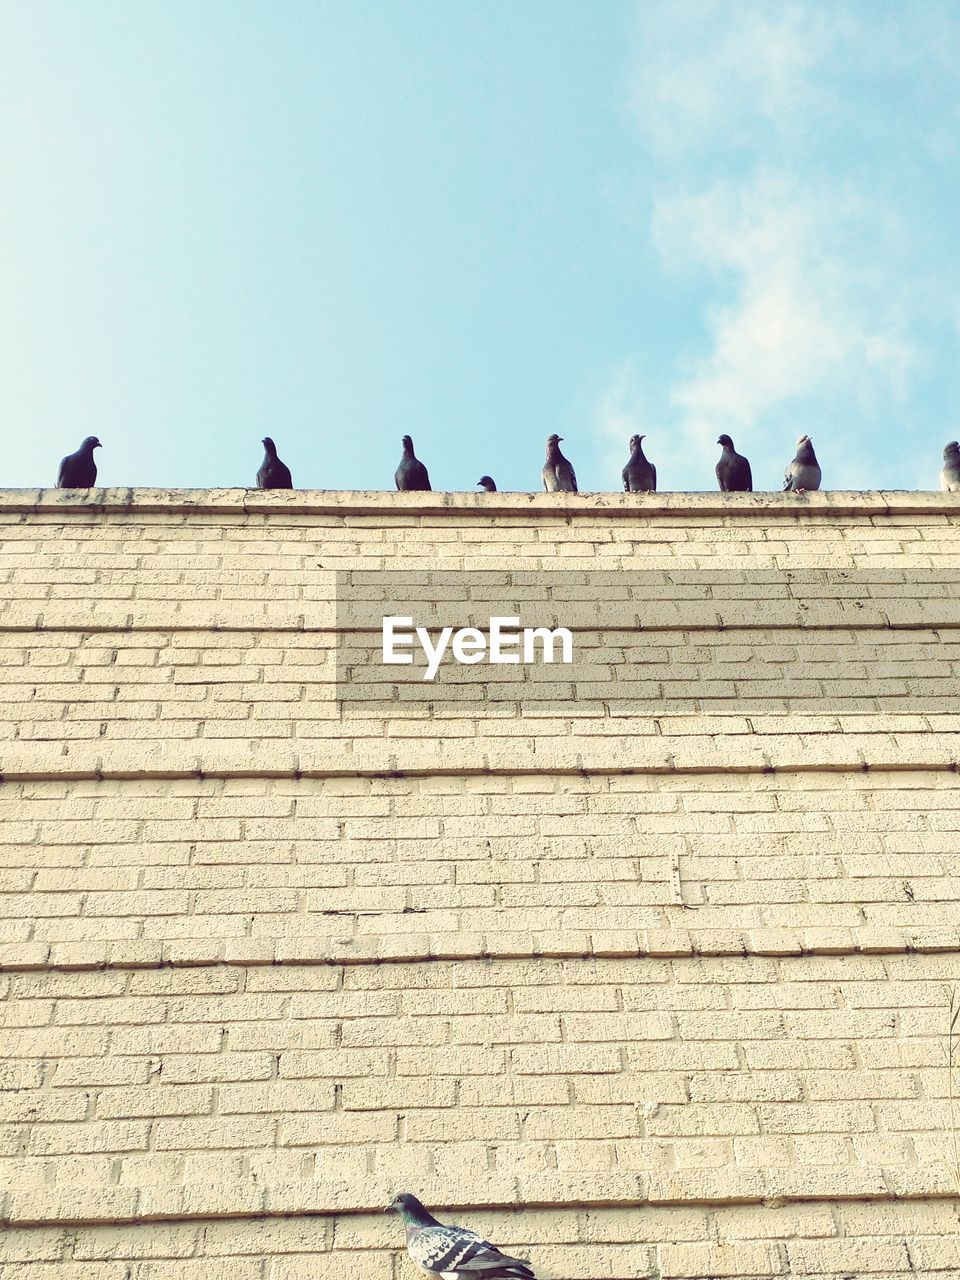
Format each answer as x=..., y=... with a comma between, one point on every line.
x=345, y=502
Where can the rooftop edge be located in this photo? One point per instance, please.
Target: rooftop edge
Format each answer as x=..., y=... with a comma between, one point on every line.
x=342, y=502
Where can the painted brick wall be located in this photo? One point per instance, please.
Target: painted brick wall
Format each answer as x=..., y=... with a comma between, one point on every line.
x=645, y=973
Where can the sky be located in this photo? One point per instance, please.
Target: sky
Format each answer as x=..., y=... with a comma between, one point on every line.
x=478, y=223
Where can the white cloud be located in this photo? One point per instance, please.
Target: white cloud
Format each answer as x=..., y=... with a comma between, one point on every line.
x=793, y=251
x=710, y=72
x=803, y=310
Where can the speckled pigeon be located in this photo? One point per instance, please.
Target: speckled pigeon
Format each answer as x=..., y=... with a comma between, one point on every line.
x=558, y=473
x=78, y=470
x=486, y=483
x=804, y=471
x=273, y=473
x=411, y=473
x=453, y=1253
x=950, y=475
x=639, y=475
x=733, y=470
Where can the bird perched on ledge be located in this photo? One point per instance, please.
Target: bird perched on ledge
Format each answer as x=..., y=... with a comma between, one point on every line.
x=804, y=471
x=486, y=483
x=79, y=470
x=411, y=473
x=273, y=473
x=557, y=473
x=733, y=470
x=950, y=475
x=639, y=475
x=453, y=1253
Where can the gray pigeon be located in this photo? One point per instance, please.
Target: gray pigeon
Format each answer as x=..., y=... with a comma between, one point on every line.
x=411, y=473
x=486, y=483
x=558, y=473
x=804, y=471
x=950, y=475
x=733, y=470
x=453, y=1253
x=78, y=470
x=273, y=473
x=639, y=475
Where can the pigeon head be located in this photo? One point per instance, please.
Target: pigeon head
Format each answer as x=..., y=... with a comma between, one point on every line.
x=487, y=483
x=270, y=447
x=409, y=1208
x=726, y=442
x=951, y=451
x=554, y=440
x=407, y=443
x=804, y=440
x=635, y=441
x=90, y=444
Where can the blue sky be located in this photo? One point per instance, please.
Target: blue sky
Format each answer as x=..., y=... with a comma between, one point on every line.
x=478, y=223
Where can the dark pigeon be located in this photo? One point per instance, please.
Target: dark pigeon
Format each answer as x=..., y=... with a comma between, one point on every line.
x=453, y=1253
x=558, y=473
x=486, y=483
x=950, y=475
x=411, y=473
x=733, y=470
x=78, y=470
x=803, y=473
x=639, y=475
x=273, y=473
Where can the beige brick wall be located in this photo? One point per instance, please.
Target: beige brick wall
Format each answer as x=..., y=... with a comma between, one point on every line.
x=646, y=978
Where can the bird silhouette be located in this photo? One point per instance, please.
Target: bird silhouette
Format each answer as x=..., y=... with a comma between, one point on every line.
x=558, y=473
x=411, y=473
x=639, y=475
x=273, y=473
x=79, y=470
x=733, y=470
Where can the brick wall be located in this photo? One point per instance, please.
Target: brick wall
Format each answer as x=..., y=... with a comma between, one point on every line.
x=645, y=973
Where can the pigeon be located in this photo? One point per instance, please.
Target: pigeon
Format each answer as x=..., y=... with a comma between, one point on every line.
x=733, y=470
x=273, y=473
x=804, y=471
x=453, y=1253
x=950, y=475
x=487, y=483
x=558, y=473
x=78, y=470
x=639, y=475
x=411, y=473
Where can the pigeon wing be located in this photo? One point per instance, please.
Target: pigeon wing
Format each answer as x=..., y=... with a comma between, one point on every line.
x=653, y=477
x=443, y=1250
x=62, y=472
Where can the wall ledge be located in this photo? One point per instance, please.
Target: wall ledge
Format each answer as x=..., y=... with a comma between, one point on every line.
x=333, y=502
